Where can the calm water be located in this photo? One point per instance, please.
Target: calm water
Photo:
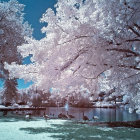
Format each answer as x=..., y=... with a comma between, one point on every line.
x=103, y=114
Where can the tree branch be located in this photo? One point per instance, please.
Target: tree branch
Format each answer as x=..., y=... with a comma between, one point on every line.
x=76, y=69
x=66, y=65
x=134, y=31
x=76, y=37
x=136, y=25
x=131, y=76
x=124, y=50
x=95, y=77
x=132, y=40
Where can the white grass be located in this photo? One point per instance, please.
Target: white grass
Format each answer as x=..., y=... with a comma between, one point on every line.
x=105, y=129
x=11, y=130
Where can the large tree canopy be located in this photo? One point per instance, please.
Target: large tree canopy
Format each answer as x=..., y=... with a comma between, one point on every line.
x=92, y=44
x=13, y=29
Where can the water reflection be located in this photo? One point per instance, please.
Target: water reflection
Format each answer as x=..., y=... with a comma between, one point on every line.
x=104, y=114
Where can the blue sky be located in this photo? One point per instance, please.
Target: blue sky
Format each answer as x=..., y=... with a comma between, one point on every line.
x=33, y=12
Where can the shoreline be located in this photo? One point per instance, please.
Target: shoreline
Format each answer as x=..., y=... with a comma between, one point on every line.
x=21, y=108
x=134, y=124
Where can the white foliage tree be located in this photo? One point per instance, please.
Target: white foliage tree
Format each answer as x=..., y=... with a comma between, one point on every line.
x=85, y=40
x=13, y=29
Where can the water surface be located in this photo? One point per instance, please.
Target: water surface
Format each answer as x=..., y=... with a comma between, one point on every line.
x=104, y=114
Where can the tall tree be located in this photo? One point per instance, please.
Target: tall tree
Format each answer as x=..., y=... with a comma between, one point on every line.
x=87, y=43
x=13, y=29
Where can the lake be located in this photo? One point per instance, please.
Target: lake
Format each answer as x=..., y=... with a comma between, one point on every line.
x=104, y=114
